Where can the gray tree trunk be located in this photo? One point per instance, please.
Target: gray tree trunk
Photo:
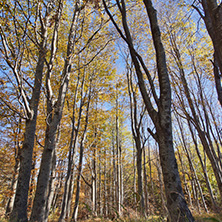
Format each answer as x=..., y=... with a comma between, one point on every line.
x=185, y=182
x=80, y=165
x=163, y=198
x=17, y=150
x=68, y=187
x=51, y=188
x=118, y=160
x=10, y=202
x=136, y=128
x=94, y=182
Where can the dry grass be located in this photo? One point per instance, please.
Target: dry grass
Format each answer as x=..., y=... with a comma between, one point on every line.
x=208, y=218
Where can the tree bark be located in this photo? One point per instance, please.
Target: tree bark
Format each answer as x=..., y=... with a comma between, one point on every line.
x=51, y=188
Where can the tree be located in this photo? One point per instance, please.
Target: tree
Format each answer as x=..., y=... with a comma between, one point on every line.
x=14, y=50
x=177, y=207
x=136, y=125
x=54, y=112
x=197, y=121
x=213, y=20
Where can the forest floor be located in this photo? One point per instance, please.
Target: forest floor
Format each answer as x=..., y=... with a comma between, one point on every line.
x=212, y=217
x=208, y=217
x=198, y=218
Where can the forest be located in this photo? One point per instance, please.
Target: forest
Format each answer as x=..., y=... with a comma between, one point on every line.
x=111, y=110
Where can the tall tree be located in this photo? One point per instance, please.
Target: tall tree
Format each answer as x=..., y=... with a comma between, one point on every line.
x=54, y=111
x=136, y=125
x=176, y=204
x=196, y=119
x=32, y=27
x=212, y=16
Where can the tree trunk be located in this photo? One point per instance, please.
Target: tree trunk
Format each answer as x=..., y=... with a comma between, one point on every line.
x=10, y=202
x=186, y=188
x=80, y=166
x=146, y=194
x=76, y=206
x=19, y=212
x=140, y=181
x=164, y=206
x=196, y=120
x=94, y=182
x=17, y=150
x=134, y=176
x=39, y=206
x=51, y=189
x=136, y=128
x=192, y=169
x=118, y=159
x=213, y=21
x=68, y=187
x=213, y=202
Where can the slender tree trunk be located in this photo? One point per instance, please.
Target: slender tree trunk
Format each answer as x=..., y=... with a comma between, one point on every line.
x=186, y=188
x=114, y=172
x=68, y=184
x=68, y=187
x=76, y=206
x=118, y=160
x=146, y=194
x=32, y=182
x=196, y=195
x=140, y=181
x=80, y=166
x=58, y=187
x=10, y=202
x=193, y=171
x=105, y=211
x=135, y=128
x=94, y=182
x=134, y=176
x=51, y=189
x=99, y=195
x=196, y=120
x=164, y=206
x=17, y=150
x=151, y=178
x=213, y=202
